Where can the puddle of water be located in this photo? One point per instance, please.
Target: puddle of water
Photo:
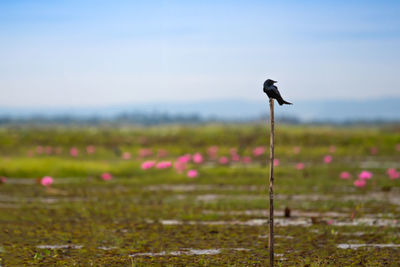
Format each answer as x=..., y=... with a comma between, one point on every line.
x=204, y=251
x=354, y=234
x=379, y=164
x=368, y=222
x=195, y=187
x=180, y=252
x=254, y=222
x=280, y=256
x=208, y=198
x=9, y=206
x=107, y=248
x=171, y=222
x=356, y=246
x=188, y=251
x=265, y=213
x=390, y=197
x=381, y=215
x=69, y=246
x=48, y=200
x=304, y=222
x=59, y=246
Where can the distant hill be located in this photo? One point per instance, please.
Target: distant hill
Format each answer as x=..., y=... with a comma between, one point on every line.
x=387, y=109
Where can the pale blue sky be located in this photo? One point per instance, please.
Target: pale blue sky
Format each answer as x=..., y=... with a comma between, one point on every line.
x=70, y=53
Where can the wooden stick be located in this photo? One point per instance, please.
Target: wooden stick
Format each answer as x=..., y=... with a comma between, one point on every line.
x=271, y=187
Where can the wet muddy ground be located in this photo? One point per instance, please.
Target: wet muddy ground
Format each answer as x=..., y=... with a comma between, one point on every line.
x=120, y=222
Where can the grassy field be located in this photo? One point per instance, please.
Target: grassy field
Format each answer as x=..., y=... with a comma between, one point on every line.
x=159, y=216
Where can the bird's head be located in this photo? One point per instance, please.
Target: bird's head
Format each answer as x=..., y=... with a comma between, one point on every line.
x=270, y=82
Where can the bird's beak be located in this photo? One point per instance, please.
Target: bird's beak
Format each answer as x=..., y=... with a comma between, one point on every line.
x=274, y=81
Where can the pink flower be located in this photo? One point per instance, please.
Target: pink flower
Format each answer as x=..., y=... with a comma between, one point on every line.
x=258, y=151
x=126, y=155
x=300, y=166
x=223, y=160
x=212, y=152
x=330, y=222
x=296, y=150
x=360, y=183
x=46, y=181
x=398, y=147
x=235, y=158
x=332, y=149
x=90, y=149
x=394, y=176
x=197, y=158
x=106, y=176
x=276, y=162
x=180, y=166
x=345, y=175
x=74, y=152
x=148, y=164
x=365, y=175
x=185, y=158
x=391, y=170
x=234, y=155
x=3, y=180
x=246, y=159
x=393, y=173
x=162, y=153
x=327, y=159
x=192, y=174
x=39, y=149
x=374, y=150
x=163, y=165
x=49, y=150
x=145, y=152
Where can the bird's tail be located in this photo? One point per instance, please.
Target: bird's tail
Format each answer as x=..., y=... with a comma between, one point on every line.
x=281, y=102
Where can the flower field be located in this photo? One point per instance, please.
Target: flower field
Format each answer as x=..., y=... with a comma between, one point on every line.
x=197, y=195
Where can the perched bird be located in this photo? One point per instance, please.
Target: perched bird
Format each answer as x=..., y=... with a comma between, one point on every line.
x=272, y=92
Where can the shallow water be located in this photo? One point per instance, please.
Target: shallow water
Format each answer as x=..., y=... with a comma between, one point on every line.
x=379, y=164
x=368, y=222
x=195, y=187
x=188, y=251
x=305, y=222
x=265, y=213
x=179, y=252
x=356, y=246
x=253, y=222
x=107, y=248
x=59, y=246
x=390, y=197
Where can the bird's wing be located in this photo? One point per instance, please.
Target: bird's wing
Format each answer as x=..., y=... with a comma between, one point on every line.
x=275, y=90
x=265, y=87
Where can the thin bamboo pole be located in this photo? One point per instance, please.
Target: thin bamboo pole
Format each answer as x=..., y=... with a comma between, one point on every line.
x=271, y=186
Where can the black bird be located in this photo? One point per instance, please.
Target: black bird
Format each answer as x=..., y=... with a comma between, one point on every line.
x=272, y=92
